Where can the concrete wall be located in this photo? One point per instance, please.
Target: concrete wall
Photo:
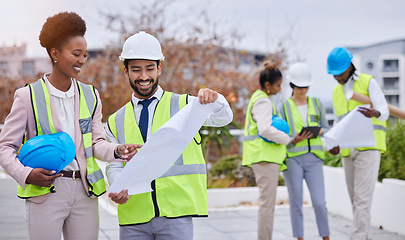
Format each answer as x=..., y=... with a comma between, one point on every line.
x=388, y=209
x=232, y=197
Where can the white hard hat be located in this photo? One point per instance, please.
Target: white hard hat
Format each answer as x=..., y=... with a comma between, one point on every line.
x=299, y=75
x=142, y=45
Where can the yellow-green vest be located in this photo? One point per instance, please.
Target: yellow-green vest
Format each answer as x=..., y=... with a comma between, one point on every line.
x=255, y=149
x=182, y=190
x=342, y=107
x=296, y=123
x=40, y=99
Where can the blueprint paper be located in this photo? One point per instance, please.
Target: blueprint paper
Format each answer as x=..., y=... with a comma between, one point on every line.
x=354, y=130
x=163, y=148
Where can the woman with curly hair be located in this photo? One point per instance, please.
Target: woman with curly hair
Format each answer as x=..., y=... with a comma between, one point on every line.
x=65, y=201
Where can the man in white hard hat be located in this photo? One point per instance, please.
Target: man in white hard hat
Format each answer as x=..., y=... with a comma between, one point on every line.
x=180, y=194
x=361, y=164
x=305, y=158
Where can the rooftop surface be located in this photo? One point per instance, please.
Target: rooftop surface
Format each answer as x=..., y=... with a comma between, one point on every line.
x=222, y=224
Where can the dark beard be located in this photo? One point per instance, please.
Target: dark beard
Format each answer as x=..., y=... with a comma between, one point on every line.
x=144, y=94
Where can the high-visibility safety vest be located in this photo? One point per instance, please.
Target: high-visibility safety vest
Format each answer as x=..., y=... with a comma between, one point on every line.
x=182, y=190
x=40, y=99
x=296, y=123
x=255, y=149
x=342, y=107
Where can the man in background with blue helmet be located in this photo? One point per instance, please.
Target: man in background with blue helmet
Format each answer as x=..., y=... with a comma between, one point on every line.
x=360, y=164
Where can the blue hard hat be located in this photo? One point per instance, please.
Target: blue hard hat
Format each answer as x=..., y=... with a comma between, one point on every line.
x=51, y=152
x=279, y=124
x=339, y=60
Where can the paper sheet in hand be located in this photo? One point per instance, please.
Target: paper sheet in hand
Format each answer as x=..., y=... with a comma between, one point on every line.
x=162, y=148
x=354, y=130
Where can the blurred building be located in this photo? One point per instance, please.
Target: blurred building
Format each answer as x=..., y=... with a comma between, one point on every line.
x=386, y=62
x=14, y=62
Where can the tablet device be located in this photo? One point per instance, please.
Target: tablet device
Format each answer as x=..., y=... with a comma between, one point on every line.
x=314, y=130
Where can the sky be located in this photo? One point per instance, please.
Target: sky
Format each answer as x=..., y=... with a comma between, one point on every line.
x=309, y=29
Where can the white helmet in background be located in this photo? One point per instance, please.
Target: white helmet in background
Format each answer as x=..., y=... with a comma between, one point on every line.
x=299, y=75
x=142, y=45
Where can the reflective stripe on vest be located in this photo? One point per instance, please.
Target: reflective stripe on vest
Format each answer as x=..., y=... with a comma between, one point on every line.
x=181, y=191
x=88, y=104
x=375, y=126
x=40, y=99
x=255, y=97
x=296, y=123
x=342, y=107
x=255, y=149
x=178, y=168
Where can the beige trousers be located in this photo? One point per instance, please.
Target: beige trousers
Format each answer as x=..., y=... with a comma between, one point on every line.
x=68, y=210
x=266, y=175
x=361, y=171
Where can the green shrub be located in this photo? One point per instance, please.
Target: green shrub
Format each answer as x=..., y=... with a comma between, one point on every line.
x=332, y=160
x=393, y=160
x=226, y=166
x=219, y=138
x=229, y=172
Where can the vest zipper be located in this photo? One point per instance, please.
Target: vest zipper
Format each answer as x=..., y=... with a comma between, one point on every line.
x=309, y=145
x=155, y=205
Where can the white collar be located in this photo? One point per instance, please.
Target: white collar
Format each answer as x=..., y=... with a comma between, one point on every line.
x=158, y=95
x=355, y=75
x=58, y=93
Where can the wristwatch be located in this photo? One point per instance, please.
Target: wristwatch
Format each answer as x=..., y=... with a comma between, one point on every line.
x=116, y=154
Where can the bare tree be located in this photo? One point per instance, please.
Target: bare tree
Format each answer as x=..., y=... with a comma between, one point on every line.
x=195, y=58
x=7, y=88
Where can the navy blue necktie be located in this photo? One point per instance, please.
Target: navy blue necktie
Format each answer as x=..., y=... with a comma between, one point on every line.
x=144, y=118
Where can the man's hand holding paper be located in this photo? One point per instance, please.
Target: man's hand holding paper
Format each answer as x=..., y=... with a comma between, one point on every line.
x=170, y=140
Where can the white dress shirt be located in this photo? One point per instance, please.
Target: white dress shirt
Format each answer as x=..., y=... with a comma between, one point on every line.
x=303, y=110
x=64, y=103
x=375, y=93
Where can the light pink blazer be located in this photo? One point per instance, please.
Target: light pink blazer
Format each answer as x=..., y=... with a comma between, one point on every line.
x=21, y=121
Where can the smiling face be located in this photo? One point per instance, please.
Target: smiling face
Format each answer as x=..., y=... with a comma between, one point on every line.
x=143, y=76
x=70, y=58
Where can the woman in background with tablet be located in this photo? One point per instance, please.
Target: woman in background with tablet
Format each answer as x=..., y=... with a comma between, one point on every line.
x=305, y=158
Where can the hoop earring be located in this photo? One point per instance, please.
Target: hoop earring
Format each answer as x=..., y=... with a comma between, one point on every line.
x=55, y=60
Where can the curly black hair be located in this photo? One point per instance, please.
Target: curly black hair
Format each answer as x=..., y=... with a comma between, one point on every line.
x=59, y=28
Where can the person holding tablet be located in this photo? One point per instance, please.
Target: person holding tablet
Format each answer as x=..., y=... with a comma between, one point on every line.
x=305, y=158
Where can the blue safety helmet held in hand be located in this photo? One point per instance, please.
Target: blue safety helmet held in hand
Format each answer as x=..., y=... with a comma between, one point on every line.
x=51, y=152
x=279, y=124
x=339, y=60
